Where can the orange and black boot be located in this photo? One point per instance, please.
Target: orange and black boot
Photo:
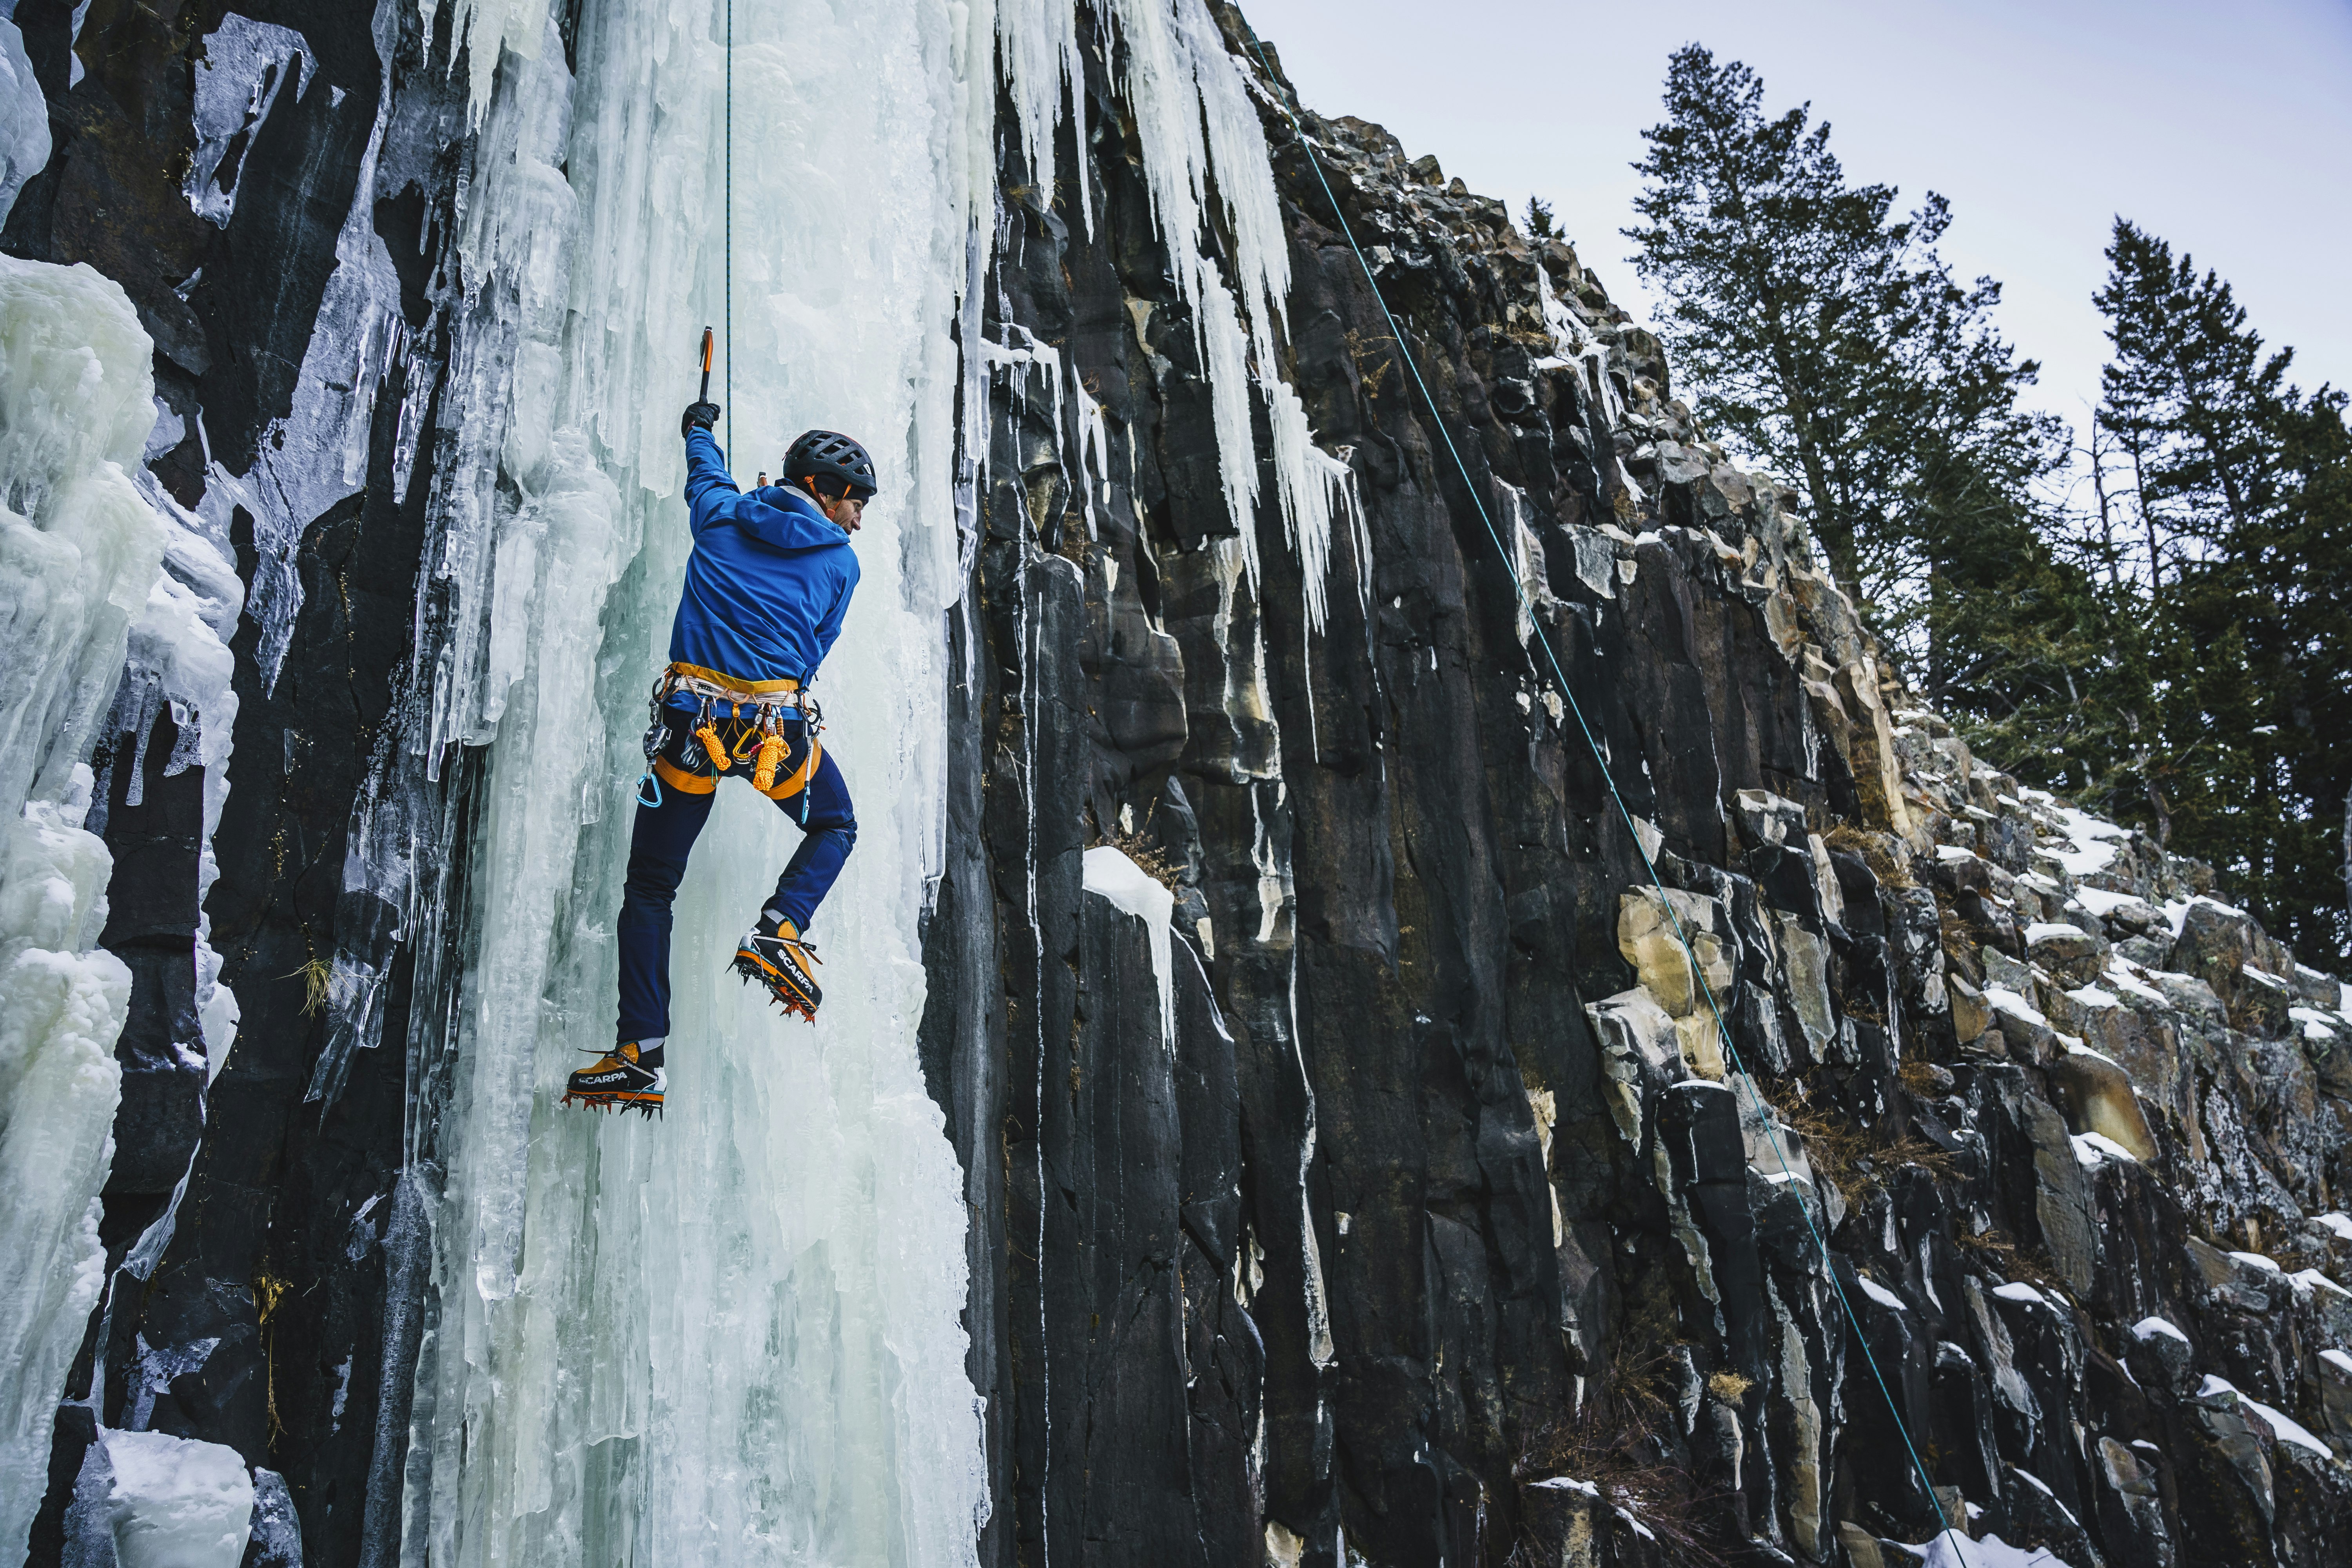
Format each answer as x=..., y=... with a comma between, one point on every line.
x=773, y=955
x=629, y=1076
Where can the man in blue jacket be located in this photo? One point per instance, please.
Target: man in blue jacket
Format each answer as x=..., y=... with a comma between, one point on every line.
x=766, y=587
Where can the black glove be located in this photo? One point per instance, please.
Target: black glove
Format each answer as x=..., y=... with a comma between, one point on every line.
x=705, y=415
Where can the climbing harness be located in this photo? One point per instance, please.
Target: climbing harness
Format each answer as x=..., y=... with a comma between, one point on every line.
x=1723, y=1032
x=736, y=722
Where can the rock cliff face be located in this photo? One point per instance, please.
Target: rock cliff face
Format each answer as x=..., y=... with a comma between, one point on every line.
x=1428, y=1200
x=1449, y=1224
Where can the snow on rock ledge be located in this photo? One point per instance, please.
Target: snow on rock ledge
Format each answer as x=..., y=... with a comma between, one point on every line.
x=177, y=1502
x=1129, y=887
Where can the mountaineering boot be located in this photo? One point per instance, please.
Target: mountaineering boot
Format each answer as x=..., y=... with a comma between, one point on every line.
x=773, y=955
x=629, y=1076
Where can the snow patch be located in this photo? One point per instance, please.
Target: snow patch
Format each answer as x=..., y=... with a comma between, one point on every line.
x=1128, y=887
x=177, y=1502
x=2002, y=999
x=2307, y=1281
x=2287, y=1429
x=1881, y=1294
x=2316, y=1024
x=2018, y=1290
x=2093, y=1150
x=2149, y=1328
x=1953, y=1550
x=2103, y=901
x=1567, y=1484
x=2093, y=847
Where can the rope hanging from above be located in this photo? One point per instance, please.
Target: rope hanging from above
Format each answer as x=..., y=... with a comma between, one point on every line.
x=729, y=229
x=1559, y=676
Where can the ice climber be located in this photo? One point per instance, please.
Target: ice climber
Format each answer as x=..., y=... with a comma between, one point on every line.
x=766, y=587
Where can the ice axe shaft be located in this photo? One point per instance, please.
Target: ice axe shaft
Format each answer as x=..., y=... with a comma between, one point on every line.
x=706, y=367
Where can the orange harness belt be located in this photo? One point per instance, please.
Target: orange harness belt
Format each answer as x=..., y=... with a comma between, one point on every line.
x=759, y=735
x=677, y=778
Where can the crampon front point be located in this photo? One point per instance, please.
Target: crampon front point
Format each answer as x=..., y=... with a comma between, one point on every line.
x=776, y=959
x=626, y=1078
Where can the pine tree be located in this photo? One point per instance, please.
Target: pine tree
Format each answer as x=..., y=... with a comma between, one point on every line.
x=1541, y=224
x=2243, y=487
x=2189, y=390
x=1824, y=337
x=1775, y=270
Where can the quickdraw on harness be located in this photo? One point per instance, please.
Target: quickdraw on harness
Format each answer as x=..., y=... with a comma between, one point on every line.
x=758, y=712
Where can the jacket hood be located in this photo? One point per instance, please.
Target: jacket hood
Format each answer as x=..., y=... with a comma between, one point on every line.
x=784, y=518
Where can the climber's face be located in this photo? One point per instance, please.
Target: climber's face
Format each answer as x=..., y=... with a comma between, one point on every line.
x=847, y=512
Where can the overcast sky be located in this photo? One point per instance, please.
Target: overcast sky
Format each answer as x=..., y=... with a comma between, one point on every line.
x=2226, y=128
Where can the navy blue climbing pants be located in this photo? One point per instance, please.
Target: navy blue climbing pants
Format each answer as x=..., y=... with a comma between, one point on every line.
x=665, y=835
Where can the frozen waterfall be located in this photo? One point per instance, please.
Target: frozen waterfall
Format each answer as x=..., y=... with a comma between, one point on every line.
x=734, y=1335
x=731, y=1335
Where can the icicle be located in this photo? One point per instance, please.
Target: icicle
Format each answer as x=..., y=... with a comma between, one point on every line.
x=1039, y=40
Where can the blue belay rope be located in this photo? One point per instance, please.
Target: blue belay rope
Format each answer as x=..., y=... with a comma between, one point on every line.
x=1723, y=1032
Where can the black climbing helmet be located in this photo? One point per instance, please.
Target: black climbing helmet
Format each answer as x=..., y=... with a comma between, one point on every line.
x=829, y=455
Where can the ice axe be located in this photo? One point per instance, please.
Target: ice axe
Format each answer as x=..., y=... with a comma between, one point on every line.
x=702, y=411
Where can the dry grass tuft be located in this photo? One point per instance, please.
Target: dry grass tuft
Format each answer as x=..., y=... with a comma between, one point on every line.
x=1148, y=855
x=1145, y=851
x=314, y=975
x=1873, y=848
x=1614, y=1445
x=1859, y=1160
x=1729, y=1386
x=2010, y=1261
x=1924, y=1079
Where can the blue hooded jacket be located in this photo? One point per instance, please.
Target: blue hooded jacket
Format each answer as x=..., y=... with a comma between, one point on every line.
x=769, y=580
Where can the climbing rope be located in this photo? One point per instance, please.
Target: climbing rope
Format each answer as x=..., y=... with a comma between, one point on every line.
x=1723, y=1032
x=729, y=229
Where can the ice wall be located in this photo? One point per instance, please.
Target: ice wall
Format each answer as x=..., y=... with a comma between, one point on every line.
x=734, y=1333
x=78, y=552
x=730, y=1335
